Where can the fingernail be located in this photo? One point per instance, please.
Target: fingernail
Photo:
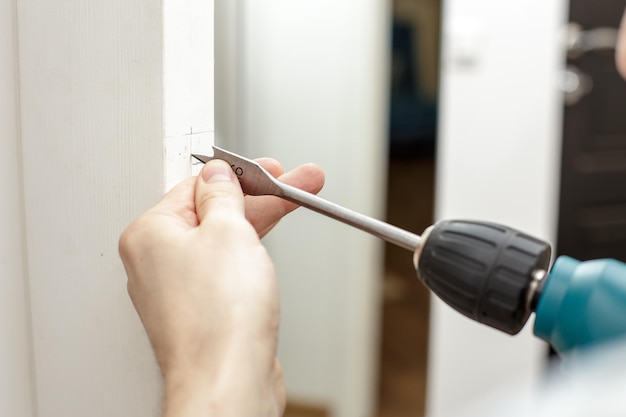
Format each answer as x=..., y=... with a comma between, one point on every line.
x=215, y=171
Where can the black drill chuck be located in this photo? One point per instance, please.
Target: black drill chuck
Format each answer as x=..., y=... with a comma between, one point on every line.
x=486, y=271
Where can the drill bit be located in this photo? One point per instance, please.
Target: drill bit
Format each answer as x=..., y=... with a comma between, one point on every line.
x=255, y=180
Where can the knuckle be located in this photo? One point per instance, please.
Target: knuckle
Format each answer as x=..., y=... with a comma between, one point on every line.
x=131, y=237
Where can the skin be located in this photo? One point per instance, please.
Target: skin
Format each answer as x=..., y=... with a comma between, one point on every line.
x=620, y=55
x=206, y=291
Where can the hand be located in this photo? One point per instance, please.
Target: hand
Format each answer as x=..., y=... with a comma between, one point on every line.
x=205, y=290
x=264, y=212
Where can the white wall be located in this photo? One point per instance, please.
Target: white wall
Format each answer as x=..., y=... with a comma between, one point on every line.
x=498, y=159
x=311, y=88
x=16, y=384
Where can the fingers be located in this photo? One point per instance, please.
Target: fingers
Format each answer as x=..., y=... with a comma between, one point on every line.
x=264, y=212
x=218, y=191
x=272, y=166
x=184, y=191
x=179, y=202
x=307, y=177
x=217, y=188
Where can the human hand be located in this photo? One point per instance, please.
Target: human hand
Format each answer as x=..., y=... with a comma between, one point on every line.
x=264, y=212
x=205, y=290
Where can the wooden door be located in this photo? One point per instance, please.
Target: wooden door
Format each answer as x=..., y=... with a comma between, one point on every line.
x=592, y=210
x=105, y=99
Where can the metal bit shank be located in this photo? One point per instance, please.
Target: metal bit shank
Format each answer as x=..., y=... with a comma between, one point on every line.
x=255, y=180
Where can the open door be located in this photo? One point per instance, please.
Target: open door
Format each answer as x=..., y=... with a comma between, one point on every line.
x=305, y=82
x=498, y=154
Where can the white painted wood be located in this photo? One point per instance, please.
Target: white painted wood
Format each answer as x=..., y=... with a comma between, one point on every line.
x=16, y=384
x=311, y=88
x=229, y=64
x=93, y=129
x=498, y=159
x=187, y=86
x=91, y=97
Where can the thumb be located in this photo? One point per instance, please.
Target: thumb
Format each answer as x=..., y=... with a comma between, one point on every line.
x=218, y=191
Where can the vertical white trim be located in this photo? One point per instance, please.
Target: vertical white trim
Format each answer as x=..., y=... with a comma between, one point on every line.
x=187, y=85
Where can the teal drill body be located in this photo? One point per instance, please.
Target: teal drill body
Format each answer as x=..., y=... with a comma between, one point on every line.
x=582, y=303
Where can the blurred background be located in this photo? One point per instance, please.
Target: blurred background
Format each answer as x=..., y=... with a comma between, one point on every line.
x=420, y=110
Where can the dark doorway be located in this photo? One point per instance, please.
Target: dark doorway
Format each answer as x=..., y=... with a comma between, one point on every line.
x=412, y=136
x=592, y=210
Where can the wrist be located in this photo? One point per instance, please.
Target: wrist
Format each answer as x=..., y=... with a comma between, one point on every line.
x=229, y=397
x=236, y=384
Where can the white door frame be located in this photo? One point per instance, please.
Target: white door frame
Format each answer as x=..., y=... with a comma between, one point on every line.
x=104, y=95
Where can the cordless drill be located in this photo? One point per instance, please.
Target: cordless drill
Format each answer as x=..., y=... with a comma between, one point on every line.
x=498, y=276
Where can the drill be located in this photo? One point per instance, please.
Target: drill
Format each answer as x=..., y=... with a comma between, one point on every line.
x=498, y=276
x=493, y=274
